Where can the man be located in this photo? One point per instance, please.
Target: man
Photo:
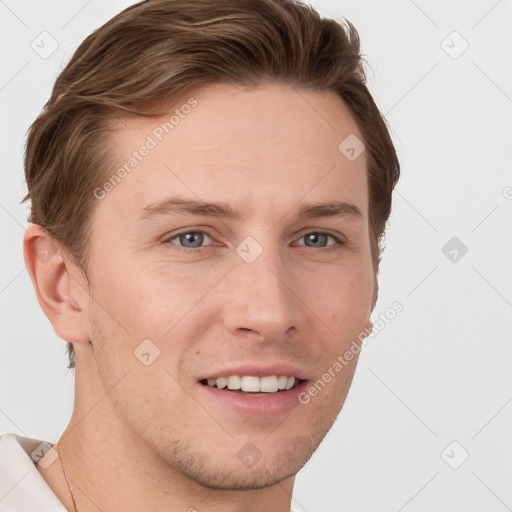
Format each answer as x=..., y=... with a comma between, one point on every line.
x=209, y=186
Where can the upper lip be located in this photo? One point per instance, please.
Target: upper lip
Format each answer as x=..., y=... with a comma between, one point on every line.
x=259, y=370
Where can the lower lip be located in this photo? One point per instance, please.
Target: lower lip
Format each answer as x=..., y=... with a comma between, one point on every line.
x=256, y=405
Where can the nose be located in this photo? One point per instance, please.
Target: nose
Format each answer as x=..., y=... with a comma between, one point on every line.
x=260, y=297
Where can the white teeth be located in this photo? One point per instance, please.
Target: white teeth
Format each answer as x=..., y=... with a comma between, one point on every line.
x=268, y=384
x=234, y=382
x=281, y=381
x=252, y=384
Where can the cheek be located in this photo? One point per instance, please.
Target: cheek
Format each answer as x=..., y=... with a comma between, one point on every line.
x=152, y=304
x=139, y=373
x=139, y=300
x=342, y=299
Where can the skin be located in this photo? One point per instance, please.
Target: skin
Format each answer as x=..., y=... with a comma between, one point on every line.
x=144, y=437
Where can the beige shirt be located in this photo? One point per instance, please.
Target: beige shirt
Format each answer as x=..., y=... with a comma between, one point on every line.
x=22, y=488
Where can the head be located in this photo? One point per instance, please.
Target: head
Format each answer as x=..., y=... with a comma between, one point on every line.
x=248, y=108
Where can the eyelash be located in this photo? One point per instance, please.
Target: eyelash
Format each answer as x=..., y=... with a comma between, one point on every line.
x=168, y=240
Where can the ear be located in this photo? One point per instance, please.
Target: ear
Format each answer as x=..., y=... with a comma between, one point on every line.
x=375, y=291
x=369, y=324
x=60, y=287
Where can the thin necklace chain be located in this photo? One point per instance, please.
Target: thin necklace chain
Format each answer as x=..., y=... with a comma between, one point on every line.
x=66, y=477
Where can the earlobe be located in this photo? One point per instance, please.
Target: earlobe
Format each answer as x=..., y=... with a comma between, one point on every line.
x=61, y=298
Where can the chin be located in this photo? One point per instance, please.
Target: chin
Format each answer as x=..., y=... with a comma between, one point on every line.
x=227, y=471
x=236, y=481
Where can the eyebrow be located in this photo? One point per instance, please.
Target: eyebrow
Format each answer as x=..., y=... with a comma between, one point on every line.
x=178, y=205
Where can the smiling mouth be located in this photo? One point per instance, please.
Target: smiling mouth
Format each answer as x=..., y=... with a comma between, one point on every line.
x=253, y=385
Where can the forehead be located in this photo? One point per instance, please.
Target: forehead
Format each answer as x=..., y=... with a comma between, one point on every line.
x=267, y=148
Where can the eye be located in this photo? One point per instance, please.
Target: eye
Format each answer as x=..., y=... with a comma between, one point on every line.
x=319, y=239
x=189, y=239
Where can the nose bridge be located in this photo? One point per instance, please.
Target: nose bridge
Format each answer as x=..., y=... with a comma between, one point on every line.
x=260, y=296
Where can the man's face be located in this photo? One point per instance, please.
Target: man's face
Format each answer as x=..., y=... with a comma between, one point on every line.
x=262, y=293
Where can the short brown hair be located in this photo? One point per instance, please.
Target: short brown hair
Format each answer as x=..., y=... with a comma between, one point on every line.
x=154, y=52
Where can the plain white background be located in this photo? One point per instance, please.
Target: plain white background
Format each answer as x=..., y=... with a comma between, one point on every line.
x=438, y=373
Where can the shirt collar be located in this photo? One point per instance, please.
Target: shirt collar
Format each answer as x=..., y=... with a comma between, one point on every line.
x=21, y=485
